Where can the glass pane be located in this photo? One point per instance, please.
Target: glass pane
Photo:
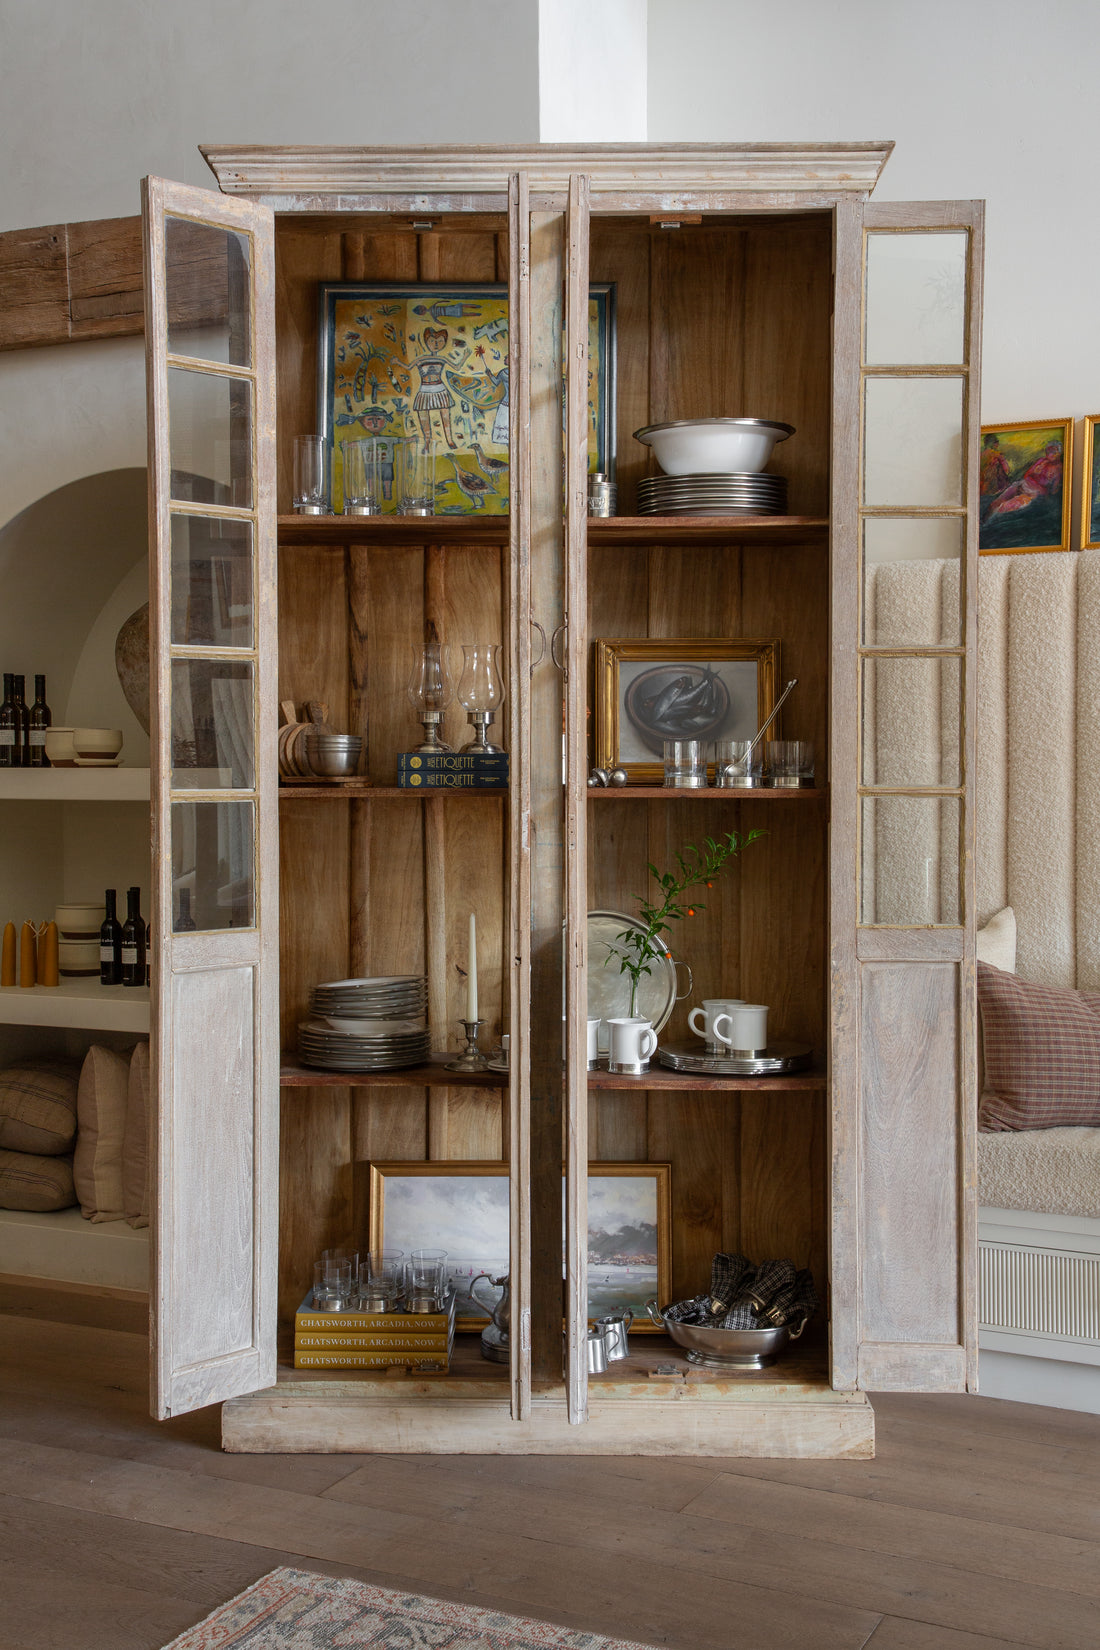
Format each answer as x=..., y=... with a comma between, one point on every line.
x=910, y=848
x=912, y=441
x=207, y=288
x=911, y=581
x=213, y=878
x=916, y=299
x=210, y=438
x=911, y=716
x=212, y=725
x=211, y=582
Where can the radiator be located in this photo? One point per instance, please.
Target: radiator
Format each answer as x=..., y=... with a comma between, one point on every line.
x=1039, y=1284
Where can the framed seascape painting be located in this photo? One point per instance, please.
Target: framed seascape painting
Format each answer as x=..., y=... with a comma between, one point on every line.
x=463, y=1208
x=1090, y=487
x=649, y=690
x=1025, y=487
x=432, y=361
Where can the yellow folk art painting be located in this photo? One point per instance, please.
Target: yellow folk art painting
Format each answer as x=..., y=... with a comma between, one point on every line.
x=431, y=362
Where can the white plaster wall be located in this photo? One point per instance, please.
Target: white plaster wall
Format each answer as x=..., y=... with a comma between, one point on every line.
x=592, y=71
x=994, y=102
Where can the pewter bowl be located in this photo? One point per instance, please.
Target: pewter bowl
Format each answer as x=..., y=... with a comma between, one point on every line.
x=726, y=1348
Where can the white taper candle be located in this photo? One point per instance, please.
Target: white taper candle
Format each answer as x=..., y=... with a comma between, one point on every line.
x=471, y=972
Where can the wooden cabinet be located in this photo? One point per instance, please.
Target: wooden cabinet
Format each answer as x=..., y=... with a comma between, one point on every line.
x=751, y=280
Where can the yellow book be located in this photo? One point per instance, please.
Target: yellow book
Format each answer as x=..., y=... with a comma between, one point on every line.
x=369, y=1360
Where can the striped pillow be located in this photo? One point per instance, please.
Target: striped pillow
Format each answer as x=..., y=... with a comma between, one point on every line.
x=1042, y=1054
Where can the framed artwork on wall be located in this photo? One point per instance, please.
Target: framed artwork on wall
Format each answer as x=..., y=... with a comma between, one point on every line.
x=1025, y=486
x=650, y=689
x=463, y=1208
x=432, y=360
x=1090, y=487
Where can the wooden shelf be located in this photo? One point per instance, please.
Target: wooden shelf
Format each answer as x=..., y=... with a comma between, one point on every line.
x=492, y=531
x=80, y=1002
x=660, y=1077
x=388, y=793
x=74, y=784
x=292, y=1074
x=708, y=793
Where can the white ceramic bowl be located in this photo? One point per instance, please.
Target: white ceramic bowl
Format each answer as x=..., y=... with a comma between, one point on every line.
x=97, y=741
x=78, y=918
x=713, y=446
x=78, y=956
x=59, y=747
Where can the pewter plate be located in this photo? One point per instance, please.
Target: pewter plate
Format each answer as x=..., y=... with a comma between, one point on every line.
x=609, y=990
x=777, y=1058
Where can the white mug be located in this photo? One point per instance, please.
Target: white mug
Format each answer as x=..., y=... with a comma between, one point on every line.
x=713, y=1009
x=593, y=1042
x=632, y=1043
x=748, y=1031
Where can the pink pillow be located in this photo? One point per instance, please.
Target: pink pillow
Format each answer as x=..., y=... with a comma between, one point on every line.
x=1042, y=1054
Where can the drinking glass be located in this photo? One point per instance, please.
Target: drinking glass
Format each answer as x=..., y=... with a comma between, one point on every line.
x=685, y=764
x=426, y=1275
x=381, y=1278
x=791, y=762
x=362, y=477
x=738, y=764
x=311, y=493
x=416, y=476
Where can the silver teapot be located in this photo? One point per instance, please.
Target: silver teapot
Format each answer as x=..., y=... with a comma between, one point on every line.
x=494, y=1337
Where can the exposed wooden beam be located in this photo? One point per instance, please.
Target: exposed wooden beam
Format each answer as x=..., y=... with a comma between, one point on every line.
x=69, y=282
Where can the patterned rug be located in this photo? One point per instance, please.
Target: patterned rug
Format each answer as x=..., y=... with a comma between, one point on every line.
x=296, y=1610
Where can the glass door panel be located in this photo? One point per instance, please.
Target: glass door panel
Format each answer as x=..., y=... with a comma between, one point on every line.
x=911, y=580
x=210, y=438
x=913, y=441
x=911, y=721
x=213, y=725
x=212, y=582
x=915, y=298
x=208, y=292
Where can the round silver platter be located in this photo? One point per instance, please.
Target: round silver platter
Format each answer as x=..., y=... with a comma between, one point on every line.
x=777, y=1057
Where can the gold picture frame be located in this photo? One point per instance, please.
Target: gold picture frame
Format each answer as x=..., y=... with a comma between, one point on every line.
x=630, y=725
x=1025, y=486
x=1090, y=486
x=477, y=1215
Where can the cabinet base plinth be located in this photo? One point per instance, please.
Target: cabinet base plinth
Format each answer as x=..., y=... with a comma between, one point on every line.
x=472, y=1418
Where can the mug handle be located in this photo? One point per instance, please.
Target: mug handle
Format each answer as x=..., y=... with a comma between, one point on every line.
x=678, y=962
x=652, y=1049
x=700, y=1031
x=720, y=1036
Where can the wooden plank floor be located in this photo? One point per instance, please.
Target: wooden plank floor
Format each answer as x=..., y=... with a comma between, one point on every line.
x=977, y=1527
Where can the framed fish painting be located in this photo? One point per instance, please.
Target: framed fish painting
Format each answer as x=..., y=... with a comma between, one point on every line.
x=1090, y=487
x=1025, y=486
x=650, y=689
x=431, y=360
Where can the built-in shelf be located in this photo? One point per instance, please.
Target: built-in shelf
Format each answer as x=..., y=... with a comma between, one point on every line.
x=388, y=793
x=706, y=793
x=293, y=1074
x=660, y=1077
x=492, y=531
x=74, y=784
x=76, y=1002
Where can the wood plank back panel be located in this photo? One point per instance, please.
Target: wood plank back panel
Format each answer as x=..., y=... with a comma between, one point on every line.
x=302, y=259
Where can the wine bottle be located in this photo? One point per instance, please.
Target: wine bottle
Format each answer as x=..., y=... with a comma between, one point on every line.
x=9, y=734
x=22, y=759
x=38, y=720
x=110, y=944
x=185, y=922
x=133, y=941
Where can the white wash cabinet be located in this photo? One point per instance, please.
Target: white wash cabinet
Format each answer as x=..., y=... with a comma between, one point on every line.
x=749, y=279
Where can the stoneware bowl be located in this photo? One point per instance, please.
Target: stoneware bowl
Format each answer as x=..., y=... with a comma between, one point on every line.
x=60, y=750
x=103, y=743
x=713, y=446
x=78, y=957
x=79, y=918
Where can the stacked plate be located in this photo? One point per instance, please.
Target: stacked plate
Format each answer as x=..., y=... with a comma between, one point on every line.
x=375, y=1024
x=736, y=494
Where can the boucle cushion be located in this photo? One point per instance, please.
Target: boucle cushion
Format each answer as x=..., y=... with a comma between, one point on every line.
x=33, y=1182
x=101, y=1125
x=1042, y=1054
x=38, y=1107
x=1049, y=1171
x=135, y=1199
x=997, y=941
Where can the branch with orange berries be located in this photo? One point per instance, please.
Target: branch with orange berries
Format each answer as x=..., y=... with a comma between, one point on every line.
x=639, y=948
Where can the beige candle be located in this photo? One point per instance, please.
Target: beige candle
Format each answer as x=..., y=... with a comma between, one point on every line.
x=471, y=972
x=7, y=966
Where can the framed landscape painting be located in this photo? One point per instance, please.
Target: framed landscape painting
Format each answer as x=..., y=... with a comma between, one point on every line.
x=1025, y=487
x=1090, y=487
x=432, y=360
x=463, y=1208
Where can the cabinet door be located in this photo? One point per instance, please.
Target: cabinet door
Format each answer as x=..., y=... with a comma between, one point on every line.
x=211, y=388
x=905, y=479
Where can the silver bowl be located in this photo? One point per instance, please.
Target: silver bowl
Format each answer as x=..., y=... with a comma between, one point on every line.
x=333, y=755
x=726, y=1348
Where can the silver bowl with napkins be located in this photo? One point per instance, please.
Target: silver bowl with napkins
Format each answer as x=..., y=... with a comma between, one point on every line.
x=726, y=1348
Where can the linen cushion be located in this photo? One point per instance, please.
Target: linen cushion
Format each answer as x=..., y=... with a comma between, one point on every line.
x=101, y=1126
x=38, y=1107
x=1042, y=1054
x=36, y=1183
x=997, y=941
x=135, y=1198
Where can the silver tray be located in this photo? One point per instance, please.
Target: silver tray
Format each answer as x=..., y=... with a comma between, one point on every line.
x=777, y=1057
x=609, y=990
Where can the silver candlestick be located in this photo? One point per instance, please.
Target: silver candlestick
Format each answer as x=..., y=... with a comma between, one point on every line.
x=471, y=1058
x=482, y=721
